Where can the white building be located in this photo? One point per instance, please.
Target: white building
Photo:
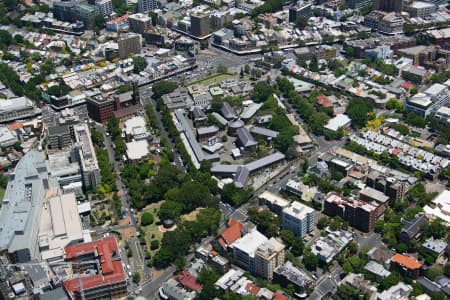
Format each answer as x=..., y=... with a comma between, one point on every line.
x=86, y=155
x=59, y=226
x=298, y=218
x=136, y=128
x=440, y=207
x=137, y=150
x=7, y=138
x=245, y=247
x=338, y=122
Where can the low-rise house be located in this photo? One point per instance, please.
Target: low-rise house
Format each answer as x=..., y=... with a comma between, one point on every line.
x=406, y=265
x=399, y=291
x=435, y=247
x=377, y=269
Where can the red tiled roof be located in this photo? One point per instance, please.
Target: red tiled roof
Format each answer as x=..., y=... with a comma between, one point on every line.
x=252, y=288
x=111, y=270
x=15, y=125
x=119, y=19
x=322, y=100
x=407, y=85
x=406, y=261
x=230, y=234
x=279, y=296
x=188, y=280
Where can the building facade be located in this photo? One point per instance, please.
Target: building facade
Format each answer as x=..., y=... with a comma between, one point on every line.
x=129, y=44
x=298, y=218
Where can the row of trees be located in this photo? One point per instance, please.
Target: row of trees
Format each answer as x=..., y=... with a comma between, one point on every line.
x=116, y=136
x=10, y=78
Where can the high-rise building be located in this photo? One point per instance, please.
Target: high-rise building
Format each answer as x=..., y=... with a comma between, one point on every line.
x=358, y=214
x=100, y=108
x=389, y=5
x=129, y=44
x=268, y=257
x=144, y=6
x=200, y=24
x=86, y=156
x=302, y=10
x=298, y=218
x=358, y=4
x=139, y=23
x=104, y=7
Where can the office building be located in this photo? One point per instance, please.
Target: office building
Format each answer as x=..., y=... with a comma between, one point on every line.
x=83, y=12
x=244, y=249
x=100, y=108
x=101, y=255
x=86, y=156
x=391, y=24
x=298, y=11
x=200, y=24
x=390, y=185
x=60, y=225
x=59, y=137
x=21, y=208
x=298, y=218
x=369, y=194
x=144, y=6
x=268, y=257
x=418, y=9
x=129, y=44
x=104, y=7
x=274, y=202
x=389, y=5
x=64, y=168
x=358, y=214
x=139, y=23
x=358, y=4
x=17, y=108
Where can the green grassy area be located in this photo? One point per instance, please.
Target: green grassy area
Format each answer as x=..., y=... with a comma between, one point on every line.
x=152, y=231
x=216, y=78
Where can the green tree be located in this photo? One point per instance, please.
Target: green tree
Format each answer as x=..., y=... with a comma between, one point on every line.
x=154, y=17
x=5, y=39
x=310, y=260
x=136, y=277
x=221, y=69
x=154, y=244
x=268, y=224
x=147, y=219
x=389, y=281
x=262, y=91
x=163, y=87
x=139, y=64
x=313, y=64
x=170, y=210
x=358, y=110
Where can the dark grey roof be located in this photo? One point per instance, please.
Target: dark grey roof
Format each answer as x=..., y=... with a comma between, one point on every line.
x=264, y=131
x=265, y=161
x=412, y=228
x=207, y=130
x=293, y=274
x=245, y=137
x=241, y=177
x=227, y=111
x=198, y=113
x=428, y=285
x=58, y=130
x=442, y=280
x=56, y=294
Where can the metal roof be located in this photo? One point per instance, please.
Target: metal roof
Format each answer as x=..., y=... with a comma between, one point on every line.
x=245, y=137
x=264, y=131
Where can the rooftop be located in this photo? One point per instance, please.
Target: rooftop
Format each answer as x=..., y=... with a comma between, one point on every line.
x=111, y=269
x=250, y=242
x=137, y=150
x=406, y=261
x=298, y=210
x=22, y=202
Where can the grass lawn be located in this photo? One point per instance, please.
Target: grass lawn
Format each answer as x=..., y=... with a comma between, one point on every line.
x=192, y=215
x=213, y=79
x=152, y=229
